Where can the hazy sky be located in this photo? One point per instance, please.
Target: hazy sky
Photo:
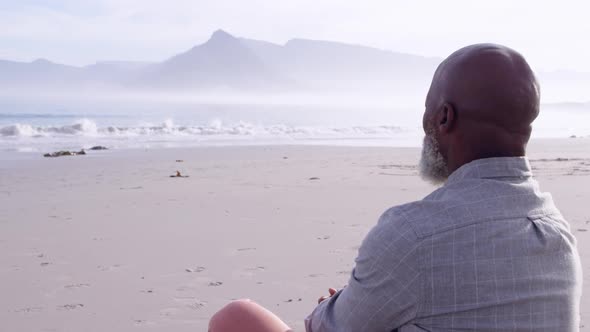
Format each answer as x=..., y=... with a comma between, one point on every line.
x=551, y=34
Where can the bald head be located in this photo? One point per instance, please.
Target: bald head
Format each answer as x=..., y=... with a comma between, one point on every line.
x=490, y=83
x=481, y=103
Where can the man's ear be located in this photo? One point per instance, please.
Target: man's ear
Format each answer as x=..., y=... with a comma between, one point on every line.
x=446, y=118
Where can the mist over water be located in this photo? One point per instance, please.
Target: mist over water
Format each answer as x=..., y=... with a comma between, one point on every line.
x=50, y=125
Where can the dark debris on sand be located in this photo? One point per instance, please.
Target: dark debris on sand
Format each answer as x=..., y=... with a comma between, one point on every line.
x=64, y=153
x=178, y=175
x=98, y=147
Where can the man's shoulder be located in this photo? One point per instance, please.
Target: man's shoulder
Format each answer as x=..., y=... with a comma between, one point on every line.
x=470, y=202
x=411, y=218
x=392, y=239
x=444, y=209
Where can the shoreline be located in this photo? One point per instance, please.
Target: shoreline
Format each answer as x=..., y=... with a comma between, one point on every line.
x=574, y=144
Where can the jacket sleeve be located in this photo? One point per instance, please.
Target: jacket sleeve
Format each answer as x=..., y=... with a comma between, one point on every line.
x=384, y=289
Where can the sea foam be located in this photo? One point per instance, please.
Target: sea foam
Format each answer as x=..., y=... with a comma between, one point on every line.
x=86, y=127
x=82, y=127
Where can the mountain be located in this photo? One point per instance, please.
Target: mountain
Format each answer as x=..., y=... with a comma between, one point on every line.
x=229, y=64
x=42, y=75
x=331, y=65
x=109, y=71
x=222, y=62
x=39, y=73
x=311, y=58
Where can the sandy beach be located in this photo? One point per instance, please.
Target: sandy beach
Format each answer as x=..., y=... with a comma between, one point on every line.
x=110, y=242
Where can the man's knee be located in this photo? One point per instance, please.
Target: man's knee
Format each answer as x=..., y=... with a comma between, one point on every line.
x=225, y=318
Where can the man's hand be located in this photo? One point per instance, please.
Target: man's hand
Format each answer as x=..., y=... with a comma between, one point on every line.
x=332, y=291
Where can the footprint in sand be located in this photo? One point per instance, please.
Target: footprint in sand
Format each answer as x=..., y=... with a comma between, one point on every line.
x=73, y=286
x=292, y=300
x=252, y=271
x=257, y=268
x=246, y=249
x=131, y=188
x=184, y=307
x=108, y=268
x=191, y=302
x=197, y=305
x=142, y=322
x=73, y=306
x=29, y=310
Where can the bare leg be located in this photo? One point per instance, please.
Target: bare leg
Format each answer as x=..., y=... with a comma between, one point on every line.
x=246, y=316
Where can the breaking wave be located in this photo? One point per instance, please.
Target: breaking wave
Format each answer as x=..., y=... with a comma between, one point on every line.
x=216, y=128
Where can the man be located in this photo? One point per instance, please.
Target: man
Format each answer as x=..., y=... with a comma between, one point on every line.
x=487, y=251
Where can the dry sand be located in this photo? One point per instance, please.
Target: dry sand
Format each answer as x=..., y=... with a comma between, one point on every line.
x=109, y=242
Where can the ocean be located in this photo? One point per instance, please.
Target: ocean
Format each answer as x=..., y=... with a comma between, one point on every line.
x=30, y=126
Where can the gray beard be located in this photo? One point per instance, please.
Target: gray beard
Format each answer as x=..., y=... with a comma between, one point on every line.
x=433, y=167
